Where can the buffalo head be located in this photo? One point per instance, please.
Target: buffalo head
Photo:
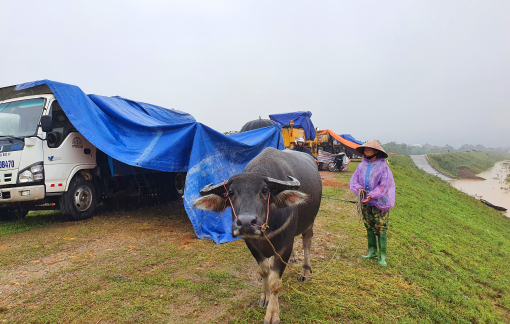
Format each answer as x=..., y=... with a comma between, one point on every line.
x=249, y=193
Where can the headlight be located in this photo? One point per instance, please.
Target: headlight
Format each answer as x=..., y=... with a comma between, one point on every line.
x=37, y=168
x=26, y=176
x=35, y=172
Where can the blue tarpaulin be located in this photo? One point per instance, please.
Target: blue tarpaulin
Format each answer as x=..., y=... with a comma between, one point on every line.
x=153, y=137
x=214, y=159
x=300, y=118
x=351, y=139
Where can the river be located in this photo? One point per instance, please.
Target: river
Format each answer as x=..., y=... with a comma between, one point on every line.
x=494, y=189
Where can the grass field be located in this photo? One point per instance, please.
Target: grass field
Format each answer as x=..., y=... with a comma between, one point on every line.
x=476, y=161
x=448, y=257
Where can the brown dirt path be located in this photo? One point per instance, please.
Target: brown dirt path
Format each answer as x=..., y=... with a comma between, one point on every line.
x=329, y=180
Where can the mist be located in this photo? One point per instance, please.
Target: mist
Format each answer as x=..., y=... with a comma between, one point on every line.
x=433, y=72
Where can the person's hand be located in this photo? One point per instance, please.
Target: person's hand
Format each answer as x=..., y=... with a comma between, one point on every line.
x=366, y=200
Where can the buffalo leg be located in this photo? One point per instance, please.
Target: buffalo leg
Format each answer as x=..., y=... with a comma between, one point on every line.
x=275, y=286
x=306, y=272
x=292, y=257
x=264, y=270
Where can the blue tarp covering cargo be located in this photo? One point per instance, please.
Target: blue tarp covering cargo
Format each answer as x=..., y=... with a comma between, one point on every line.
x=156, y=138
x=300, y=118
x=351, y=139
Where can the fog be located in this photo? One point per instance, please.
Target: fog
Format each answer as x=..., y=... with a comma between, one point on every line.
x=405, y=71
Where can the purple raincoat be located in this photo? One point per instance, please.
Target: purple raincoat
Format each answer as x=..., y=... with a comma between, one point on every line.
x=378, y=183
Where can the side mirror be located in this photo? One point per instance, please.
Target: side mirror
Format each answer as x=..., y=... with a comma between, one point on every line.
x=46, y=123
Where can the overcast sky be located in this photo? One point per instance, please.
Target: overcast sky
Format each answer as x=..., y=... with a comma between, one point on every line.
x=406, y=71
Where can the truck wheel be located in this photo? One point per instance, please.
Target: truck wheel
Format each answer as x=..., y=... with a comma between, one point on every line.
x=179, y=181
x=80, y=200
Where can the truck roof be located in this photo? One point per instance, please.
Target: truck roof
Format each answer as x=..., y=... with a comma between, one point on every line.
x=11, y=92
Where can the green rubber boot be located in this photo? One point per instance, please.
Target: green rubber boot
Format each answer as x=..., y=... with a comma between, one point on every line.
x=383, y=244
x=372, y=246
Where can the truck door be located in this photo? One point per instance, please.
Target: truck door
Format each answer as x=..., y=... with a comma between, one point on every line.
x=66, y=151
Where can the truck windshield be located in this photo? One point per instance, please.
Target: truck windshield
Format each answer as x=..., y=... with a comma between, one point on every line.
x=20, y=118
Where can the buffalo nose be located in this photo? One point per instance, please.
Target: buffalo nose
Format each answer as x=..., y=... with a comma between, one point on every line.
x=246, y=220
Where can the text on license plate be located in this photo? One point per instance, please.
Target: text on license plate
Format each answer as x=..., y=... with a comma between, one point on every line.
x=7, y=164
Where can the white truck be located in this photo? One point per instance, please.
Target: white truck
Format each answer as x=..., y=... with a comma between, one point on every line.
x=45, y=163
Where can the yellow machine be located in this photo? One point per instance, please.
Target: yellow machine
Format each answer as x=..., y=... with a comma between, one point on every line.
x=290, y=133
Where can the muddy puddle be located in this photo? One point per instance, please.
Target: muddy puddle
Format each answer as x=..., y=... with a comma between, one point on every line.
x=495, y=189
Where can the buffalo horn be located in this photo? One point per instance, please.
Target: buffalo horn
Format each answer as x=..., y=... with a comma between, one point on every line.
x=274, y=184
x=218, y=189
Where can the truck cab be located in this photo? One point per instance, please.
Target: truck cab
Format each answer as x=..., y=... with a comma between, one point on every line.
x=39, y=168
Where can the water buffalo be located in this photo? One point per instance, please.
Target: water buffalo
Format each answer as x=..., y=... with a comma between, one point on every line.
x=271, y=181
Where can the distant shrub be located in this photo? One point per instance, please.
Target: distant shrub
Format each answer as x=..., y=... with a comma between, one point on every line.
x=476, y=161
x=400, y=160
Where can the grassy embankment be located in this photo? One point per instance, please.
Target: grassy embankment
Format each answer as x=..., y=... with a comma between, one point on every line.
x=476, y=162
x=448, y=262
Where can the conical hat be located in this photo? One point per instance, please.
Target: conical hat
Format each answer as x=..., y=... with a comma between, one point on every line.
x=372, y=144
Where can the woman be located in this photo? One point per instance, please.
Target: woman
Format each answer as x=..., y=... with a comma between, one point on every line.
x=374, y=176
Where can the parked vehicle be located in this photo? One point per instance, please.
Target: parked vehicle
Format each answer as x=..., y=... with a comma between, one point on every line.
x=332, y=162
x=333, y=143
x=297, y=124
x=290, y=133
x=45, y=163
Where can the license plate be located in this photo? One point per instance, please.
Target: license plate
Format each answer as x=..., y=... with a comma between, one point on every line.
x=6, y=164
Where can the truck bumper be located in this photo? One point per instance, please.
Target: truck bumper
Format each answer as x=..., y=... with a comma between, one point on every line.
x=17, y=194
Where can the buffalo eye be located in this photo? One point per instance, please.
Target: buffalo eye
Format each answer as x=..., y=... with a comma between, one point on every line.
x=265, y=191
x=231, y=192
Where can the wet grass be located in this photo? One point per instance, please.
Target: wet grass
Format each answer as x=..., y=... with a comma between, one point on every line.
x=32, y=221
x=345, y=176
x=452, y=245
x=448, y=257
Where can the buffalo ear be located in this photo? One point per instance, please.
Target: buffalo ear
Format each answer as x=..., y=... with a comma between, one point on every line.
x=210, y=202
x=289, y=198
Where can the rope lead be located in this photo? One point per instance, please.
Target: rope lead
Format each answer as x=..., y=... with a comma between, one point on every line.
x=359, y=203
